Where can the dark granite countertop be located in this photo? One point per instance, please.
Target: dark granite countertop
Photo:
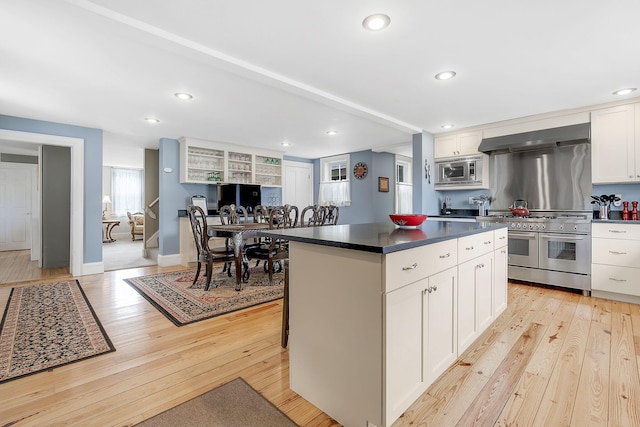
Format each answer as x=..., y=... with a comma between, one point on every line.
x=382, y=237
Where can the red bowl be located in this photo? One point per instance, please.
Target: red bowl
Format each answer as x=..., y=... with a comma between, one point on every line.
x=407, y=220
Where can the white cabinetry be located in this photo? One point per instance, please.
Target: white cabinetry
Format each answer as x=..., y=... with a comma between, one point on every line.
x=616, y=261
x=420, y=324
x=208, y=162
x=500, y=271
x=615, y=144
x=460, y=144
x=367, y=341
x=475, y=287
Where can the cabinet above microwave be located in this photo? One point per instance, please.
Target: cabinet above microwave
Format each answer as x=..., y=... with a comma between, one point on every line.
x=462, y=173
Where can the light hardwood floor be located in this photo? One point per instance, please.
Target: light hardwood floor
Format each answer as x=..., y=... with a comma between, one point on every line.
x=553, y=358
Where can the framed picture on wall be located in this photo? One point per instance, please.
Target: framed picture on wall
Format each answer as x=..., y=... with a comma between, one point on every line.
x=383, y=184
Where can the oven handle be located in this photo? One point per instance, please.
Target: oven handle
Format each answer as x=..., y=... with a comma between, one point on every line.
x=562, y=236
x=520, y=234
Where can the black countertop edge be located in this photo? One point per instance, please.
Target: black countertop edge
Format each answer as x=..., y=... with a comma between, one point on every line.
x=614, y=221
x=381, y=238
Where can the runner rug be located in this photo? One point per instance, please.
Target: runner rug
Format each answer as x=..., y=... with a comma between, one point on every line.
x=233, y=404
x=183, y=302
x=47, y=326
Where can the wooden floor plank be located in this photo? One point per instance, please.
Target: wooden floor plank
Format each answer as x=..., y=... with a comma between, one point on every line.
x=624, y=386
x=560, y=395
x=488, y=404
x=592, y=408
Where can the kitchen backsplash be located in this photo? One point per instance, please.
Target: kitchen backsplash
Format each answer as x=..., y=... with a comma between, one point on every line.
x=460, y=198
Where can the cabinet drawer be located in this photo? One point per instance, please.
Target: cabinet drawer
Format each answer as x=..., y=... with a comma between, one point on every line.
x=625, y=253
x=475, y=245
x=622, y=280
x=404, y=267
x=500, y=238
x=616, y=231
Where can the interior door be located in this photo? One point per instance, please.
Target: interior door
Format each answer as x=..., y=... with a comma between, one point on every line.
x=15, y=206
x=298, y=184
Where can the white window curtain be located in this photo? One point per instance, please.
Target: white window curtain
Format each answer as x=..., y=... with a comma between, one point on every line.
x=404, y=198
x=335, y=193
x=126, y=190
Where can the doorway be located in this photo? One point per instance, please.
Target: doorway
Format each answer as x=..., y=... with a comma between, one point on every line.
x=76, y=213
x=298, y=183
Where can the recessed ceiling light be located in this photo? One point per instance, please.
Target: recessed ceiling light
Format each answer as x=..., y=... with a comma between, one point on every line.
x=183, y=96
x=445, y=75
x=624, y=91
x=376, y=22
x=332, y=132
x=284, y=143
x=447, y=126
x=151, y=120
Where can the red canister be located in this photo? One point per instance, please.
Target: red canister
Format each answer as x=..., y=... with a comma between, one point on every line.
x=625, y=211
x=634, y=211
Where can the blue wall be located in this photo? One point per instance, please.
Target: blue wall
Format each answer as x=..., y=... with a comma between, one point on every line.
x=92, y=245
x=425, y=198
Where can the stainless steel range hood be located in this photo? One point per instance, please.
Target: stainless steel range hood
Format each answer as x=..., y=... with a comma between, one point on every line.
x=573, y=134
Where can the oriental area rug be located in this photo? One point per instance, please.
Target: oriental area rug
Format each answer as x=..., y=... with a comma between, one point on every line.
x=233, y=404
x=183, y=302
x=47, y=326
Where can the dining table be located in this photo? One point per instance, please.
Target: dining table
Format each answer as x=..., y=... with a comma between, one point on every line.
x=239, y=234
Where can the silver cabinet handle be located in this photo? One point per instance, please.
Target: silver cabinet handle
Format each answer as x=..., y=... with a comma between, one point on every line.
x=447, y=255
x=501, y=238
x=480, y=266
x=470, y=248
x=488, y=242
x=435, y=288
x=617, y=231
x=617, y=280
x=503, y=251
x=617, y=253
x=415, y=264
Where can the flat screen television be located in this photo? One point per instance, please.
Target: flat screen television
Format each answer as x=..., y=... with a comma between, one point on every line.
x=246, y=195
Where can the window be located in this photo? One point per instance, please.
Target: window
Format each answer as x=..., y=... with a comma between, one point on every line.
x=334, y=181
x=126, y=190
x=404, y=187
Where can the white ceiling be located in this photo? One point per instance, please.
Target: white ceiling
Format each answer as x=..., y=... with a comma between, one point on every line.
x=263, y=72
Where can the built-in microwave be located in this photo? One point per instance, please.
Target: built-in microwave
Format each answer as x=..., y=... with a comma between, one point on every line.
x=461, y=171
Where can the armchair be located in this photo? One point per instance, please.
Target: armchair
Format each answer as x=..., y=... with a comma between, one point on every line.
x=136, y=222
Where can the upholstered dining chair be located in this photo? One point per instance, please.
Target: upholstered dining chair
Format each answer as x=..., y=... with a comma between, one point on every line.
x=313, y=216
x=206, y=255
x=276, y=250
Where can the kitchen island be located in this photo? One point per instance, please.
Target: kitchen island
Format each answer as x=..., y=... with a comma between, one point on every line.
x=377, y=312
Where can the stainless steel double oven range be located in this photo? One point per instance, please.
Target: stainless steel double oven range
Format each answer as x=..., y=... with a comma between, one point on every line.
x=549, y=247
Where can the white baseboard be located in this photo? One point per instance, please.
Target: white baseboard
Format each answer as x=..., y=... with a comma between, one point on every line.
x=92, y=268
x=168, y=260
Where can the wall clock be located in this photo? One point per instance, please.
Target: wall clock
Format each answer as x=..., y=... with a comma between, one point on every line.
x=360, y=170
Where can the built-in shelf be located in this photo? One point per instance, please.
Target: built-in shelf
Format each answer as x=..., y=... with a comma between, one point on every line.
x=209, y=162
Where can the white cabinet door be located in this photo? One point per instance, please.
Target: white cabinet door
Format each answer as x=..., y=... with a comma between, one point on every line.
x=403, y=347
x=613, y=149
x=469, y=142
x=460, y=144
x=445, y=146
x=499, y=281
x=475, y=300
x=441, y=324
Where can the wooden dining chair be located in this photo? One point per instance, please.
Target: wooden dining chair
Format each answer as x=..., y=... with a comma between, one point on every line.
x=206, y=255
x=313, y=216
x=233, y=214
x=276, y=250
x=331, y=216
